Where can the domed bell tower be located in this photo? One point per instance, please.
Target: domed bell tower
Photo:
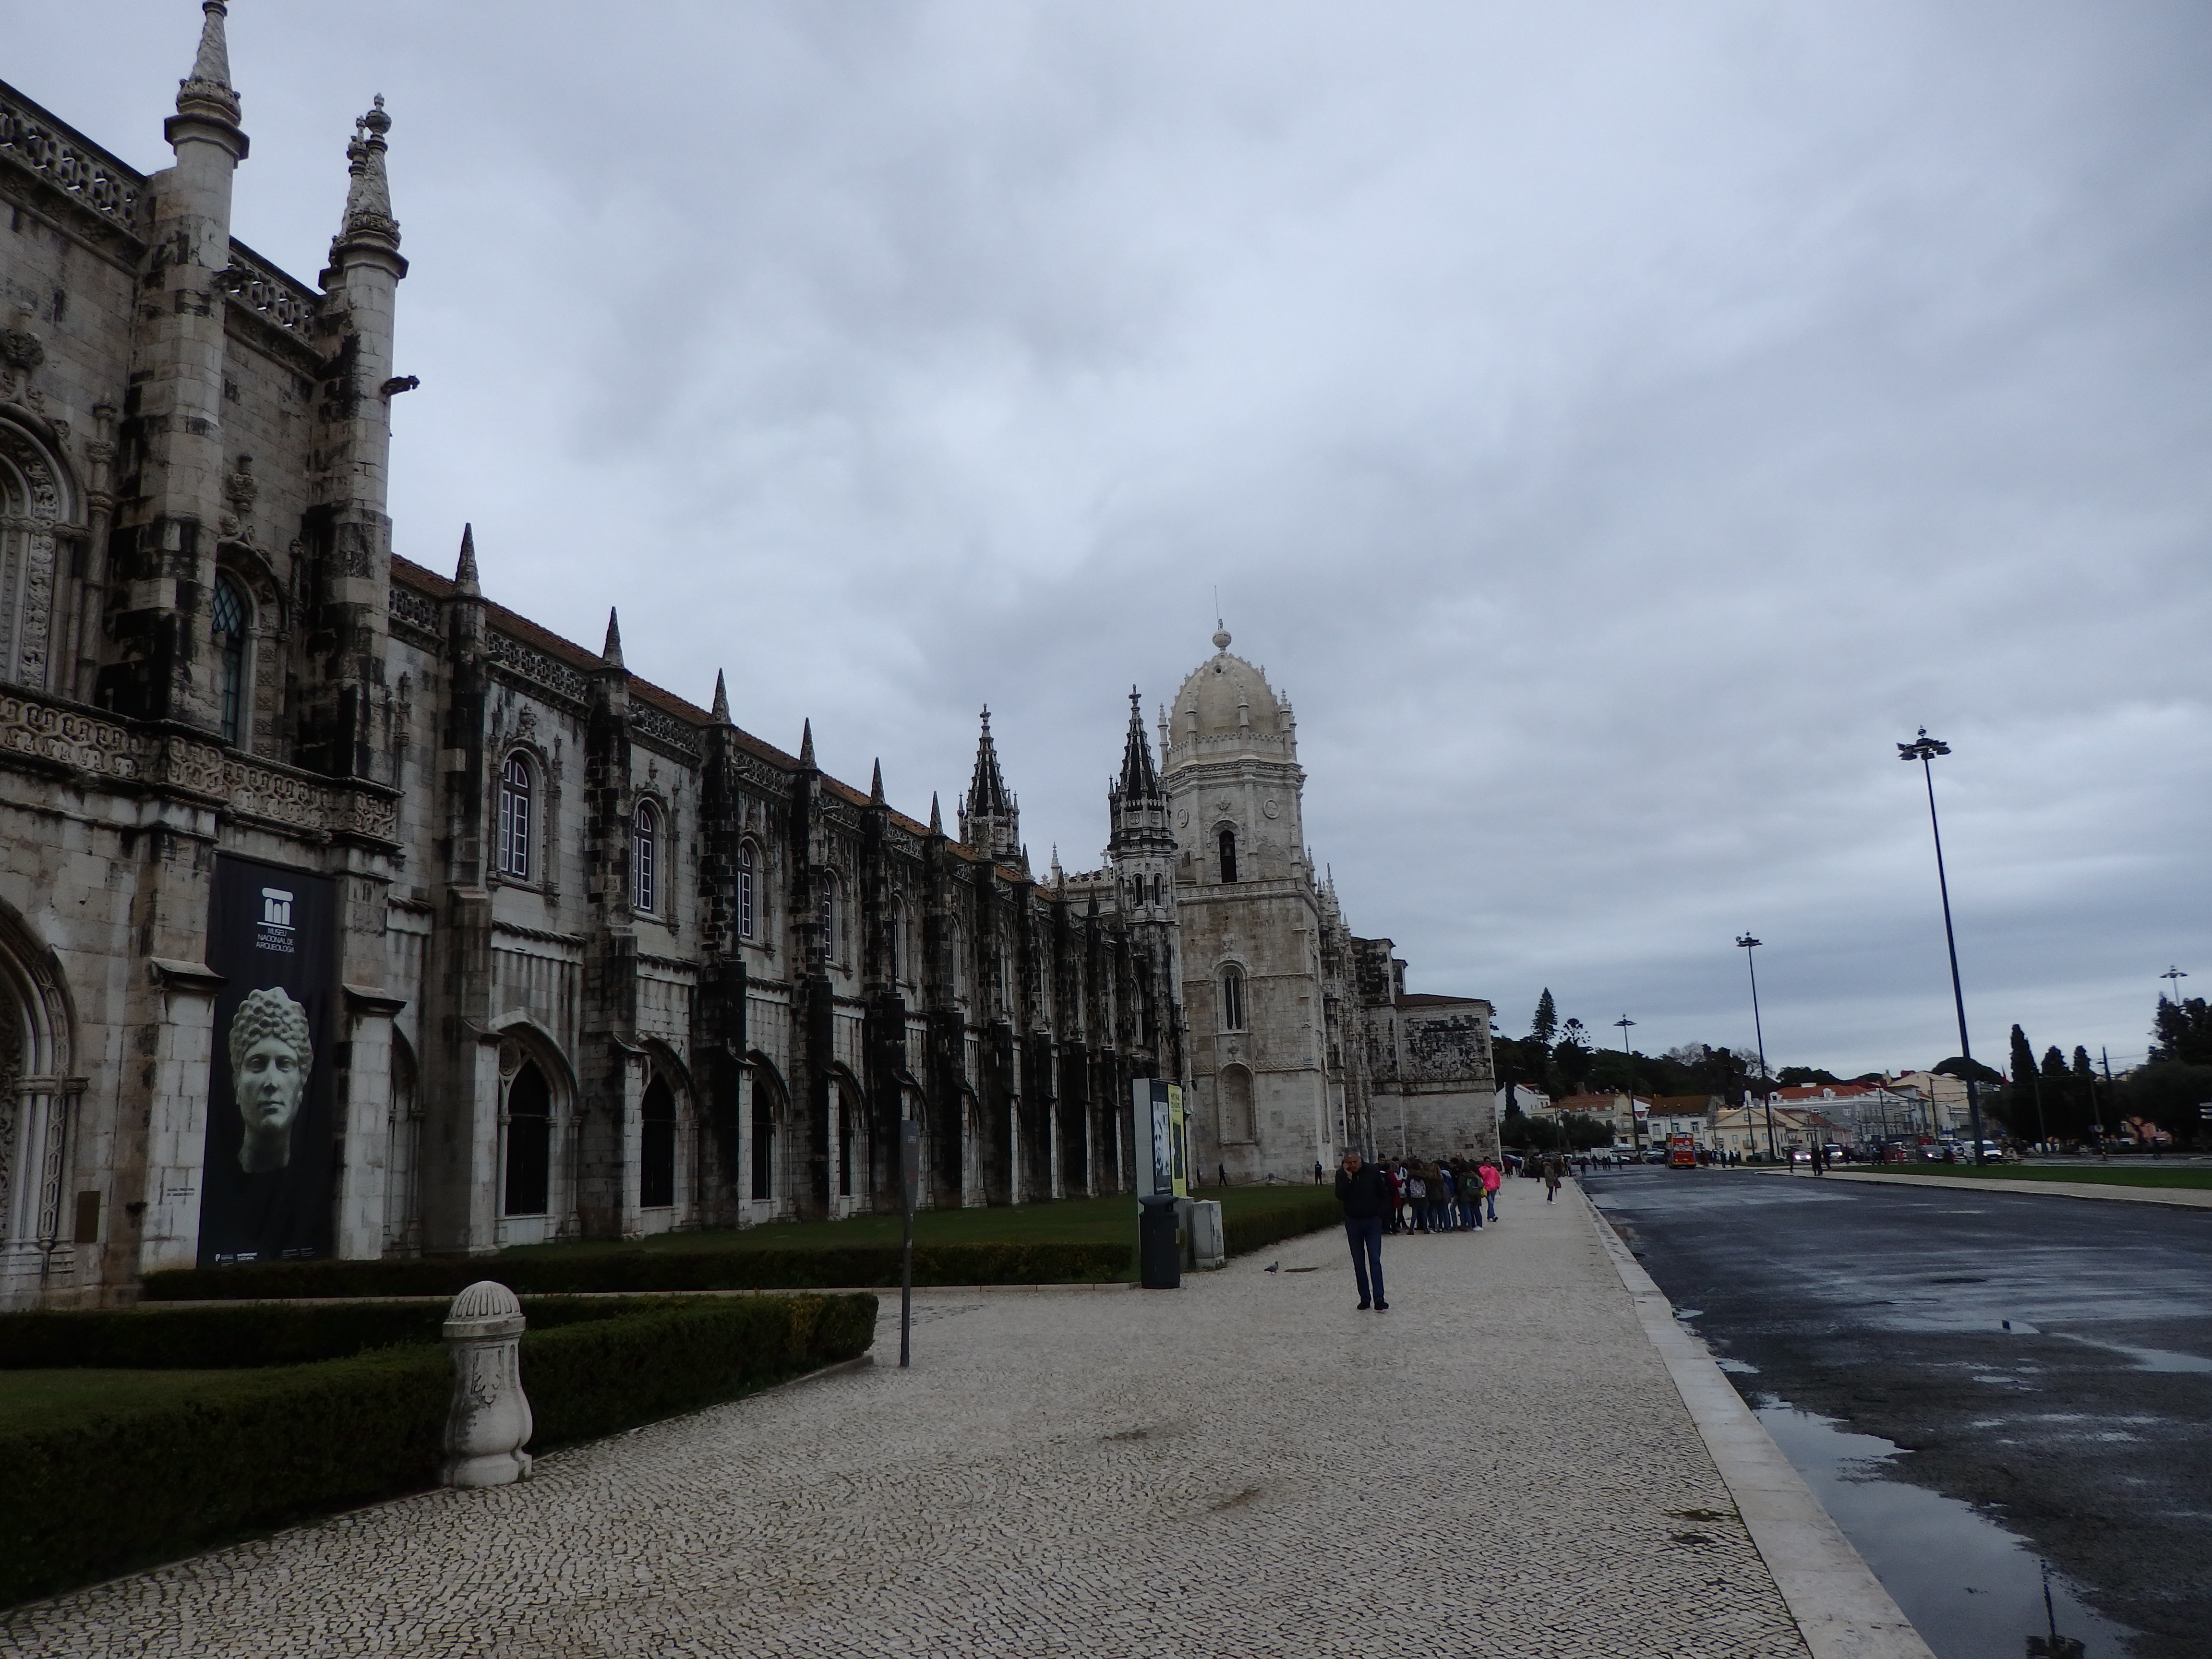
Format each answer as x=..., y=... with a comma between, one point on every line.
x=1250, y=925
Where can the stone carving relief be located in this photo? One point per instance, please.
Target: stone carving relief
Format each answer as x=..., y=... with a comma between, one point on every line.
x=65, y=737
x=238, y=490
x=32, y=505
x=96, y=180
x=664, y=730
x=538, y=668
x=407, y=606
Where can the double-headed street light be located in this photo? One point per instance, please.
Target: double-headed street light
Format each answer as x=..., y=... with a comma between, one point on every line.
x=1635, y=1127
x=1766, y=1092
x=2174, y=976
x=1924, y=749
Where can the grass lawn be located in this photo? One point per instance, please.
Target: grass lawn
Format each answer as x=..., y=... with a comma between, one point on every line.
x=1063, y=1221
x=42, y=1399
x=2131, y=1174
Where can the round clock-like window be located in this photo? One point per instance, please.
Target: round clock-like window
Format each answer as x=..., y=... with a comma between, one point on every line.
x=1271, y=810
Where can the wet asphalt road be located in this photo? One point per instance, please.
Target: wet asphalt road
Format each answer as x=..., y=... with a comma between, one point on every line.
x=2086, y=1428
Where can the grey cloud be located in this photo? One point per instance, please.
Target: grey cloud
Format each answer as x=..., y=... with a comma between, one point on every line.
x=1615, y=426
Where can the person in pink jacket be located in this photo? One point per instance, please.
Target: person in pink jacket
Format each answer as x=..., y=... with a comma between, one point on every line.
x=1492, y=1180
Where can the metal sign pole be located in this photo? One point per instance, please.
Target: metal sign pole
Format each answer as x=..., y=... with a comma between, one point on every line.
x=910, y=1180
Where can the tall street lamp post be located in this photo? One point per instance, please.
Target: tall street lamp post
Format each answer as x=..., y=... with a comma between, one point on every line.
x=1766, y=1093
x=1635, y=1124
x=2174, y=976
x=1924, y=749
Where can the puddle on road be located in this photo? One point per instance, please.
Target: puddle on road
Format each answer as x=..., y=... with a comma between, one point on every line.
x=1972, y=1589
x=2149, y=1360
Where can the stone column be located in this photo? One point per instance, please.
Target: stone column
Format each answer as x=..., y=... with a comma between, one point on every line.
x=365, y=1111
x=180, y=1046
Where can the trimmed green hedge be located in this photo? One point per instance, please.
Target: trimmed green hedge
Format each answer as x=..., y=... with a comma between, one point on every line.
x=552, y=1272
x=1315, y=1210
x=591, y=1379
x=90, y=1500
x=256, y=1334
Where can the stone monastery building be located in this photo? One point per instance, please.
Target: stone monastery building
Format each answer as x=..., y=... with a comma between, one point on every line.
x=344, y=911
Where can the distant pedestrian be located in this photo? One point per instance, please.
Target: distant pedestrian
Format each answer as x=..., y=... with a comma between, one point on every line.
x=1365, y=1194
x=1224, y=1175
x=1318, y=1172
x=1554, y=1168
x=1493, y=1179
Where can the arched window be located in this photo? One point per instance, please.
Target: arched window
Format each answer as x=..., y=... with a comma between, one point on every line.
x=656, y=1155
x=898, y=936
x=1236, y=1117
x=1156, y=890
x=517, y=806
x=1232, y=998
x=747, y=862
x=228, y=616
x=1229, y=855
x=529, y=1142
x=645, y=854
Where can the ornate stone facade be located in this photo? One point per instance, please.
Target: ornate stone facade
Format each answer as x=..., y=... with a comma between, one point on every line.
x=602, y=962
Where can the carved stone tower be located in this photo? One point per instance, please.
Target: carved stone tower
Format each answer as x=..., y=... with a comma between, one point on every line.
x=1141, y=850
x=1250, y=925
x=171, y=498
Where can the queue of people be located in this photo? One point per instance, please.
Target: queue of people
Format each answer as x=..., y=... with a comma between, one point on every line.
x=1445, y=1195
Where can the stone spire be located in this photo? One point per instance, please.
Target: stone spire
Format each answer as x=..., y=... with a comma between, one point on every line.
x=990, y=819
x=806, y=745
x=610, y=653
x=721, y=709
x=876, y=786
x=207, y=90
x=1139, y=779
x=368, y=222
x=464, y=573
x=936, y=816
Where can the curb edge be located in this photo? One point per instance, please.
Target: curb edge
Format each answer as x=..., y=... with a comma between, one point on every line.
x=1841, y=1609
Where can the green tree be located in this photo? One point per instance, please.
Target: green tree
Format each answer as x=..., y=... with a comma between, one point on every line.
x=2183, y=1031
x=1545, y=1024
x=2029, y=1108
x=1570, y=1057
x=1799, y=1076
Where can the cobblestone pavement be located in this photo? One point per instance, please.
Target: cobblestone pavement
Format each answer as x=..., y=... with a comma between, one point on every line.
x=1496, y=1466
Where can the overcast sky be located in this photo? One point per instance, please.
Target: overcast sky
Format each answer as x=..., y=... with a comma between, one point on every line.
x=1615, y=425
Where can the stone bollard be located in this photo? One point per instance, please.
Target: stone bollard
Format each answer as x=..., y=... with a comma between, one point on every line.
x=489, y=1423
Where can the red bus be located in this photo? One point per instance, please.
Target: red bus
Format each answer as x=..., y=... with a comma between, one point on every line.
x=1681, y=1152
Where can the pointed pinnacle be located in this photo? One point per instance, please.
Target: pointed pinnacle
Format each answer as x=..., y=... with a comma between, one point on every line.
x=209, y=82
x=464, y=573
x=936, y=816
x=721, y=709
x=612, y=656
x=807, y=744
x=876, y=787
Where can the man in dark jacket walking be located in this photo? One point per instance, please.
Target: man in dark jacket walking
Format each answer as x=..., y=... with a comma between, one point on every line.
x=1364, y=1192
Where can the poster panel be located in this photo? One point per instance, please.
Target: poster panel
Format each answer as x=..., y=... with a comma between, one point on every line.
x=267, y=1179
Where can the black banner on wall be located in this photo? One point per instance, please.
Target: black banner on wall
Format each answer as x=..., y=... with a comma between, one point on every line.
x=266, y=1184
